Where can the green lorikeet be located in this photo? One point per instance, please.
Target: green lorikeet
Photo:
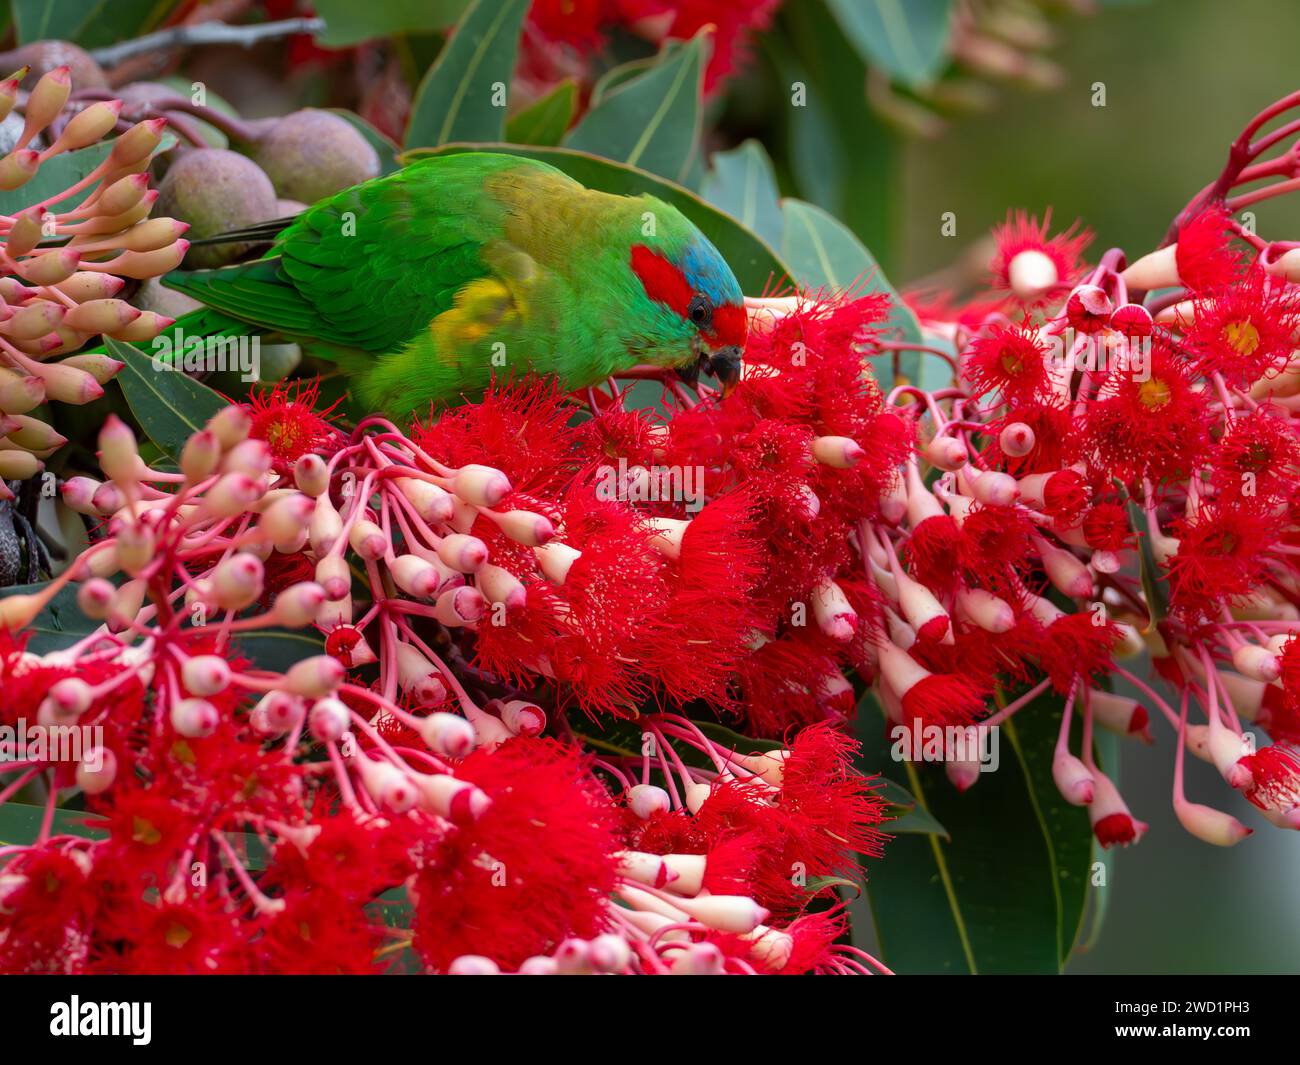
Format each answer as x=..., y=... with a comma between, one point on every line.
x=428, y=282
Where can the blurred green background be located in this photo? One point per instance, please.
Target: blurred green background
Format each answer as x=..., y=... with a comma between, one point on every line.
x=1182, y=77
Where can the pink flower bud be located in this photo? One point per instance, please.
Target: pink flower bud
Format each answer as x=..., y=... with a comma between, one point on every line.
x=311, y=475
x=524, y=527
x=205, y=675
x=49, y=268
x=17, y=168
x=87, y=127
x=1157, y=269
x=473, y=965
x=555, y=560
x=325, y=526
x=97, y=770
x=419, y=677
x=72, y=695
x=432, y=503
x=237, y=581
x=329, y=720
x=249, y=457
x=18, y=465
x=501, y=586
x=127, y=601
x=737, y=914
x=286, y=518
x=834, y=615
x=119, y=457
x=1118, y=713
x=946, y=453
x=1111, y=821
x=415, y=576
x=1068, y=575
x=573, y=958
x=99, y=366
x=1210, y=825
x=962, y=775
x=838, y=452
x=985, y=610
x=1017, y=440
x=137, y=143
x=610, y=953
x=481, y=486
x=314, y=677
x=386, y=784
x=95, y=597
x=298, y=605
x=447, y=734
x=923, y=611
x=523, y=718
x=1073, y=780
x=20, y=392
x=108, y=499
x=333, y=575
x=194, y=718
x=46, y=100
x=457, y=800
x=230, y=425
x=232, y=495
x=275, y=714
x=646, y=800
x=463, y=553
x=698, y=959
x=136, y=545
x=34, y=320
x=1256, y=662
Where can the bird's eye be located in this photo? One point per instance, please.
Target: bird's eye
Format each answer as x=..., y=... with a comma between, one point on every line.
x=700, y=311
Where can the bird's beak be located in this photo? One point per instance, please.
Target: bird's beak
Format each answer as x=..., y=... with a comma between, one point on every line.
x=724, y=364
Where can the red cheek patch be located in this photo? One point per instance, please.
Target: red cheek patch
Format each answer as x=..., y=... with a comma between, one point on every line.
x=662, y=281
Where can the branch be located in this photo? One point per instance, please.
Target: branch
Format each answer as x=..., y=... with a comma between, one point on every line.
x=205, y=33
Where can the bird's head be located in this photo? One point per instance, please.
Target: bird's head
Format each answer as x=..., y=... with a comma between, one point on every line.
x=698, y=290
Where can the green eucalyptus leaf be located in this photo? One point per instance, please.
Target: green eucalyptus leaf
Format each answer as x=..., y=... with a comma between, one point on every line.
x=1155, y=586
x=91, y=25
x=349, y=22
x=743, y=183
x=169, y=405
x=651, y=121
x=544, y=123
x=908, y=39
x=461, y=97
x=1005, y=893
x=278, y=649
x=825, y=255
x=20, y=823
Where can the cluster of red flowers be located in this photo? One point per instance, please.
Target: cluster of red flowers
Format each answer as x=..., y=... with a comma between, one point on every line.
x=365, y=809
x=534, y=608
x=561, y=36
